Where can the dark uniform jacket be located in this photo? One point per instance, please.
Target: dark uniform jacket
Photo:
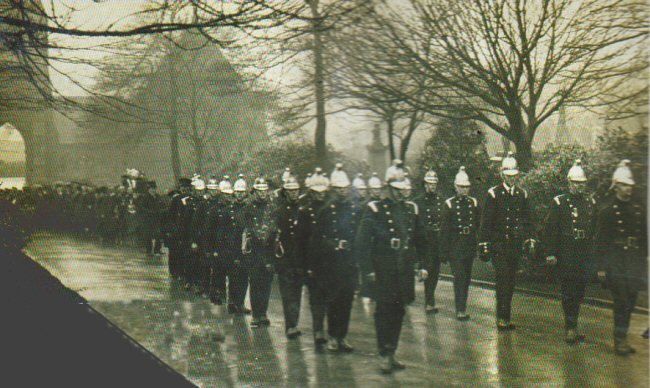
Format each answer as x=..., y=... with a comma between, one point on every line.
x=148, y=207
x=208, y=222
x=506, y=221
x=186, y=213
x=285, y=236
x=255, y=219
x=569, y=229
x=307, y=210
x=459, y=230
x=232, y=230
x=389, y=243
x=621, y=241
x=171, y=225
x=431, y=207
x=331, y=241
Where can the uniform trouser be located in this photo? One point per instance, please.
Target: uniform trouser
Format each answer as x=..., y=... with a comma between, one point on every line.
x=339, y=309
x=175, y=257
x=203, y=269
x=217, y=282
x=461, y=267
x=192, y=266
x=260, y=285
x=388, y=325
x=624, y=292
x=506, y=263
x=431, y=282
x=317, y=305
x=290, y=282
x=573, y=281
x=185, y=260
x=237, y=284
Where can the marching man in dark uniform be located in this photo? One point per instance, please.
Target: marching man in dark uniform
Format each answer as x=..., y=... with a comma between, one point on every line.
x=568, y=238
x=193, y=263
x=310, y=205
x=332, y=267
x=204, y=238
x=221, y=235
x=431, y=207
x=387, y=246
x=506, y=229
x=175, y=232
x=288, y=261
x=256, y=219
x=237, y=270
x=622, y=250
x=458, y=239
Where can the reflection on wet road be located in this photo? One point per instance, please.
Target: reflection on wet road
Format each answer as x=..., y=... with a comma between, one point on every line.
x=134, y=291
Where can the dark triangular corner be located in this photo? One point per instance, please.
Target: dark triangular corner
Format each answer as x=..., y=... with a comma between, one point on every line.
x=52, y=337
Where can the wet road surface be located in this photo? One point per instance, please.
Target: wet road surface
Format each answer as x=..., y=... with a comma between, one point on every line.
x=133, y=290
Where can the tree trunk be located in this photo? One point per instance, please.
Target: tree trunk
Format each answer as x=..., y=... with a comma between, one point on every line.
x=524, y=153
x=198, y=147
x=390, y=126
x=406, y=141
x=173, y=145
x=197, y=140
x=320, y=141
x=173, y=122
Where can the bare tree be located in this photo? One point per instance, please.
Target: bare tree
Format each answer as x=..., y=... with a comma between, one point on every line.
x=355, y=87
x=509, y=64
x=37, y=37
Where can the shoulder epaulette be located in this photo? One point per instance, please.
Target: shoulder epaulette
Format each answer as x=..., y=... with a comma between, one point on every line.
x=173, y=196
x=557, y=199
x=492, y=193
x=448, y=202
x=373, y=205
x=474, y=200
x=415, y=206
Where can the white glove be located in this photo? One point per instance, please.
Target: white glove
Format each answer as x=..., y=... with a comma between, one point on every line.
x=602, y=276
x=551, y=260
x=423, y=274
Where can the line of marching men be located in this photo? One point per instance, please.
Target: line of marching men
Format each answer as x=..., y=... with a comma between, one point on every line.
x=225, y=239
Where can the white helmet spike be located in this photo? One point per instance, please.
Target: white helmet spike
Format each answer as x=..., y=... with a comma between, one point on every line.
x=291, y=183
x=395, y=170
x=396, y=178
x=286, y=174
x=462, y=179
x=509, y=165
x=623, y=174
x=339, y=178
x=260, y=184
x=359, y=183
x=374, y=182
x=213, y=184
x=576, y=173
x=431, y=176
x=240, y=184
x=225, y=186
x=318, y=182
